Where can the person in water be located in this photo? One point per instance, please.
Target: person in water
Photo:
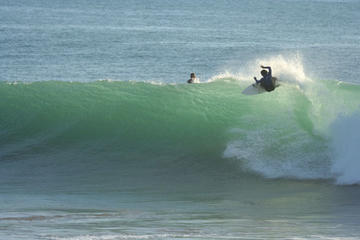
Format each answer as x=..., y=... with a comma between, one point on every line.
x=266, y=81
x=193, y=79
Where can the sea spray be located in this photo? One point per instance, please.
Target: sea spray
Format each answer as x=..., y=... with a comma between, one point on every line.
x=288, y=68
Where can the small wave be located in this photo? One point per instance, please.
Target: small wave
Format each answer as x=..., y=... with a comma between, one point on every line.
x=149, y=236
x=30, y=218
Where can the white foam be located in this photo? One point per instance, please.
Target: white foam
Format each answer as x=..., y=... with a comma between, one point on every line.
x=227, y=75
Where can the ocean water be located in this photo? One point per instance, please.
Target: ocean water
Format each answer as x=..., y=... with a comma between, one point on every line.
x=102, y=139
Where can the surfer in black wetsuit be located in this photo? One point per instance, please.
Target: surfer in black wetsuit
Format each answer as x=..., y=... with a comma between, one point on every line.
x=192, y=79
x=266, y=81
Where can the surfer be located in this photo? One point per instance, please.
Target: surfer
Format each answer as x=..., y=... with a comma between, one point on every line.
x=192, y=79
x=266, y=81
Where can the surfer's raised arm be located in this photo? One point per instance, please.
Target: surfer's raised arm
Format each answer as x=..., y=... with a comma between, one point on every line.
x=268, y=68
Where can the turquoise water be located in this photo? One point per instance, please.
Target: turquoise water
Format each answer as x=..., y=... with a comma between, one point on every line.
x=101, y=138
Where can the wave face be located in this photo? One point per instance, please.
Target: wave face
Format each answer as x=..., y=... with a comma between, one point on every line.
x=293, y=132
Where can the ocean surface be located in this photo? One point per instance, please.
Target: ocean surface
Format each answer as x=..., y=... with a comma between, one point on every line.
x=102, y=139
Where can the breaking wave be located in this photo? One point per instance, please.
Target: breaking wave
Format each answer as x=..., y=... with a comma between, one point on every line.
x=305, y=129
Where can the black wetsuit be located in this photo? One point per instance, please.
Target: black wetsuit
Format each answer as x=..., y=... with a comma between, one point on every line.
x=191, y=80
x=267, y=82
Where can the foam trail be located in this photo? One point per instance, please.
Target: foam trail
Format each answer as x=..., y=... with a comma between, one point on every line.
x=346, y=139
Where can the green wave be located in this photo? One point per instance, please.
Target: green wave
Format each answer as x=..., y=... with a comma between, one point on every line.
x=207, y=120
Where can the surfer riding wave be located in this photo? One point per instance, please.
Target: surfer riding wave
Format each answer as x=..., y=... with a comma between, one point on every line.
x=267, y=81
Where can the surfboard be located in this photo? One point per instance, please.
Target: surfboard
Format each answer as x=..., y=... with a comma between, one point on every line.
x=255, y=88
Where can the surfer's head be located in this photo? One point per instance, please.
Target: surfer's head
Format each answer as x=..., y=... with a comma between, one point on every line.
x=264, y=73
x=192, y=75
